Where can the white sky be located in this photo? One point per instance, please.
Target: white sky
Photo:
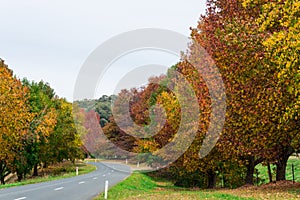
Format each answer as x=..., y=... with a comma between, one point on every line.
x=50, y=40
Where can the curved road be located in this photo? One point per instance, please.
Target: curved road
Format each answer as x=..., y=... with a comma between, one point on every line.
x=82, y=187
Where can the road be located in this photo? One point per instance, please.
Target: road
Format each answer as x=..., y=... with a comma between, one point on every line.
x=82, y=187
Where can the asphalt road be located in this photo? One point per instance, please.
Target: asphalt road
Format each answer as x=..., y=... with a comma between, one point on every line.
x=82, y=187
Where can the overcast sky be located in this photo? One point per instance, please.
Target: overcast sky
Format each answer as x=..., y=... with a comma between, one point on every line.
x=50, y=40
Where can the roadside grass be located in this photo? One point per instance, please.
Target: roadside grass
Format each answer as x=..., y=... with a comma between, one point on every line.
x=55, y=172
x=141, y=186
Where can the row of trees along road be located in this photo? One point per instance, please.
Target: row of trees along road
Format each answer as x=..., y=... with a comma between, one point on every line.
x=36, y=127
x=255, y=45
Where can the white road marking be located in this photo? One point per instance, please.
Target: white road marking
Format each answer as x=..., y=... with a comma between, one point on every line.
x=95, y=178
x=82, y=182
x=103, y=174
x=21, y=198
x=112, y=170
x=60, y=188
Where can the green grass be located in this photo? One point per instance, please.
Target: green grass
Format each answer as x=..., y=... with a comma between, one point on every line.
x=137, y=183
x=296, y=162
x=60, y=172
x=141, y=186
x=263, y=171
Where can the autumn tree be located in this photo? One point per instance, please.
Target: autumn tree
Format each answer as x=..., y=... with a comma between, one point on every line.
x=119, y=130
x=230, y=35
x=187, y=116
x=93, y=140
x=279, y=21
x=36, y=127
x=14, y=121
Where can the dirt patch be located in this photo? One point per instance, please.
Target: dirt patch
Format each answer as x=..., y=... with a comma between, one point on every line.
x=275, y=190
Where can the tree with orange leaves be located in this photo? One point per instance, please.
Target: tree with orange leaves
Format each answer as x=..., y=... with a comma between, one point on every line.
x=15, y=118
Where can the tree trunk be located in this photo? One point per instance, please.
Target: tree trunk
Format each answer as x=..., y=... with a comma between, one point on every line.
x=224, y=181
x=2, y=180
x=282, y=163
x=212, y=179
x=35, y=170
x=20, y=176
x=280, y=171
x=250, y=171
x=1, y=177
x=270, y=173
x=2, y=172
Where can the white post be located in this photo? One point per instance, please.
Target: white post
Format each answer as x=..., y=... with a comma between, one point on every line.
x=76, y=171
x=106, y=189
x=126, y=161
x=138, y=164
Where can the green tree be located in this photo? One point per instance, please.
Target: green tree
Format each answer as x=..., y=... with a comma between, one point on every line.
x=65, y=141
x=42, y=107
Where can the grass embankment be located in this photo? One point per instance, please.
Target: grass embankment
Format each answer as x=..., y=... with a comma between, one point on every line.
x=55, y=172
x=142, y=186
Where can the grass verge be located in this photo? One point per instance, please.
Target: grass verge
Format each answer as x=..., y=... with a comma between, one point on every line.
x=55, y=172
x=141, y=186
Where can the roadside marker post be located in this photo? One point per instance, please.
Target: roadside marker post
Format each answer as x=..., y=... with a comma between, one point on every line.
x=293, y=172
x=76, y=171
x=106, y=189
x=126, y=161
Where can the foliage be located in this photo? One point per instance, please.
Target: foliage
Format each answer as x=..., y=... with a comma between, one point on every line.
x=14, y=120
x=246, y=44
x=41, y=100
x=102, y=106
x=280, y=22
x=65, y=142
x=36, y=127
